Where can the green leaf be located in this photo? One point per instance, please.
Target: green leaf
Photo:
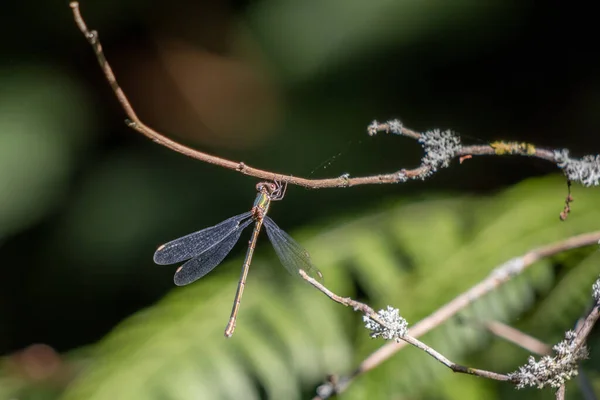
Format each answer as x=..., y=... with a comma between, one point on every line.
x=416, y=256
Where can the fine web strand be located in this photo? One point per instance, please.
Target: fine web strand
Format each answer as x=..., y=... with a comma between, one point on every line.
x=331, y=160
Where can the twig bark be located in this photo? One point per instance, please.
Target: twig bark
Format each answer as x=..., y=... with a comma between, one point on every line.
x=498, y=276
x=560, y=393
x=584, y=329
x=587, y=321
x=518, y=338
x=369, y=312
x=402, y=175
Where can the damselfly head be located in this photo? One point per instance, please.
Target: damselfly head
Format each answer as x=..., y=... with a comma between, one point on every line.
x=275, y=190
x=266, y=187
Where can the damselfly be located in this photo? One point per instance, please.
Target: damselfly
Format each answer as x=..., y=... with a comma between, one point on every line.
x=206, y=249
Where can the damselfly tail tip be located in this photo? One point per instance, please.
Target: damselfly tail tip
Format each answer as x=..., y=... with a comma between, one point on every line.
x=229, y=331
x=230, y=327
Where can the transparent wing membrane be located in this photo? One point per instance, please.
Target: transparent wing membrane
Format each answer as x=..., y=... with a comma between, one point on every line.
x=201, y=265
x=290, y=253
x=199, y=242
x=206, y=249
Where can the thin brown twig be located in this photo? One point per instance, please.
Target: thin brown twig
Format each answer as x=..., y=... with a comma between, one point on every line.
x=369, y=312
x=585, y=328
x=497, y=277
x=134, y=122
x=587, y=320
x=560, y=393
x=518, y=337
x=568, y=200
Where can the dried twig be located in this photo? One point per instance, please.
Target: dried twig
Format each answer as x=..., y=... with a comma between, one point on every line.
x=582, y=331
x=437, y=155
x=568, y=200
x=391, y=326
x=560, y=393
x=497, y=277
x=585, y=386
x=556, y=369
x=518, y=337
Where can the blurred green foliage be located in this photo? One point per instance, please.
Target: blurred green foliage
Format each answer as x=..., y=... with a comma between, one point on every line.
x=37, y=152
x=84, y=201
x=289, y=335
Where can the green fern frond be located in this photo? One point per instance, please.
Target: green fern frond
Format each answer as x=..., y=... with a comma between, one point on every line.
x=414, y=256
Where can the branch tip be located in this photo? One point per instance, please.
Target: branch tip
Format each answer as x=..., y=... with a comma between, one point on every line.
x=585, y=170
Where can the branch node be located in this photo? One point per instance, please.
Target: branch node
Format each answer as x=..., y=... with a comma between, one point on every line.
x=345, y=180
x=92, y=37
x=512, y=267
x=401, y=176
x=504, y=148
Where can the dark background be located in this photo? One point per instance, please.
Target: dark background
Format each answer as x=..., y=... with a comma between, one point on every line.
x=283, y=86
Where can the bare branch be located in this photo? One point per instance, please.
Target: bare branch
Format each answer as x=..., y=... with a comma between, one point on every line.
x=518, y=337
x=552, y=371
x=583, y=331
x=568, y=200
x=497, y=277
x=434, y=143
x=560, y=393
x=391, y=326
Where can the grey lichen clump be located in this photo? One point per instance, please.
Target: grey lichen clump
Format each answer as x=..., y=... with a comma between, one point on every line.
x=440, y=148
x=585, y=171
x=395, y=326
x=552, y=371
x=395, y=126
x=596, y=289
